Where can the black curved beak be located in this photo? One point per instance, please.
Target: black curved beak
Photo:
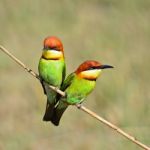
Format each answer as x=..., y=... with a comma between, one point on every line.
x=105, y=67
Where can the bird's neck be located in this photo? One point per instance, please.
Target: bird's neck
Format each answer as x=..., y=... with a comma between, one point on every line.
x=52, y=55
x=91, y=75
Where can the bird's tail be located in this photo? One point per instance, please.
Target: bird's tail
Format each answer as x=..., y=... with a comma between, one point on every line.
x=58, y=112
x=48, y=112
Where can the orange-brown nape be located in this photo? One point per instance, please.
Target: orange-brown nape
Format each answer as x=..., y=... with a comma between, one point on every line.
x=90, y=69
x=54, y=43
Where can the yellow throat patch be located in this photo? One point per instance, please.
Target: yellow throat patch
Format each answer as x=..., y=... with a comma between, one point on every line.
x=52, y=54
x=90, y=74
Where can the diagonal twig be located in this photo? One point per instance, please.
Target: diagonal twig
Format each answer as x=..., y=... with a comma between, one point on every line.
x=29, y=70
x=79, y=106
x=117, y=129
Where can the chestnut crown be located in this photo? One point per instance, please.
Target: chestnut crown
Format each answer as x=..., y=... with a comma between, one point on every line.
x=54, y=43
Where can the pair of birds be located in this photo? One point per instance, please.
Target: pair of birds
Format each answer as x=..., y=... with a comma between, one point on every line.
x=77, y=85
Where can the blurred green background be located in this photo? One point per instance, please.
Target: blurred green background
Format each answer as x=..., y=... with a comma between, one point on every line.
x=111, y=31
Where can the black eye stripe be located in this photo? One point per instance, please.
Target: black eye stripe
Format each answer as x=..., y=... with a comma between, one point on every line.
x=92, y=68
x=55, y=48
x=51, y=48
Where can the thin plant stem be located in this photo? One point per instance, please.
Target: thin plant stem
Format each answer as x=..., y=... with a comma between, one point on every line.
x=79, y=106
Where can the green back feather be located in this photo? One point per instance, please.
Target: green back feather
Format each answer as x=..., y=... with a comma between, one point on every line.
x=77, y=88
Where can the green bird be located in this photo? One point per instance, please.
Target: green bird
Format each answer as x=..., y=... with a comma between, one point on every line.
x=52, y=71
x=77, y=86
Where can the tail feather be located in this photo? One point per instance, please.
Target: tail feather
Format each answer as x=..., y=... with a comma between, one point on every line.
x=58, y=112
x=51, y=102
x=48, y=112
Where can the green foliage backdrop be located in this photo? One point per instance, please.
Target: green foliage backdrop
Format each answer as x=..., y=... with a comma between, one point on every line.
x=111, y=31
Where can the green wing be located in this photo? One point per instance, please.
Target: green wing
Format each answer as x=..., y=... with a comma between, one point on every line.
x=68, y=81
x=63, y=74
x=65, y=84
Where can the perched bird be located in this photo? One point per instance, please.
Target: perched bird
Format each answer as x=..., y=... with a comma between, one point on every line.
x=52, y=71
x=77, y=86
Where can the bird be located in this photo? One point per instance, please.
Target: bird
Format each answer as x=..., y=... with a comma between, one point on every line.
x=52, y=70
x=77, y=86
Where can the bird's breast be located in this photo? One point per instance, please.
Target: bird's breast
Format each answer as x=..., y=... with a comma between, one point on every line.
x=79, y=90
x=51, y=71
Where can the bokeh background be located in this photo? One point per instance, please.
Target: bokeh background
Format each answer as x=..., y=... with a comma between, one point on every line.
x=111, y=31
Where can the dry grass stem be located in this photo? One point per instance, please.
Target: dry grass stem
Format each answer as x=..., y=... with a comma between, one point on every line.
x=79, y=106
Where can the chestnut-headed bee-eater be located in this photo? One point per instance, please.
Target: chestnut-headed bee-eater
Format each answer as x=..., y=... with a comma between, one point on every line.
x=77, y=86
x=52, y=71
